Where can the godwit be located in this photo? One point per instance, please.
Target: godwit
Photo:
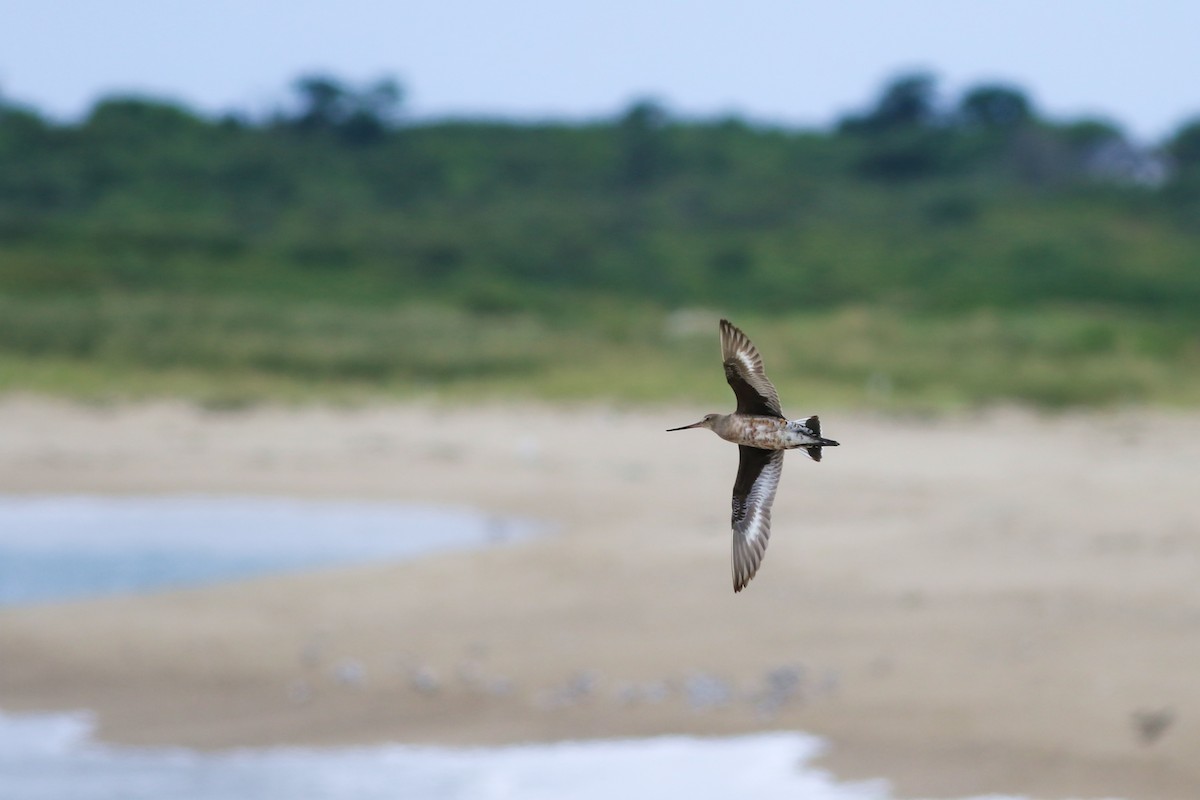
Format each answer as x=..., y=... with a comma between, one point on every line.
x=761, y=433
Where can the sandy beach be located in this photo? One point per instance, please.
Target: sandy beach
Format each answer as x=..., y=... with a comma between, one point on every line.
x=993, y=602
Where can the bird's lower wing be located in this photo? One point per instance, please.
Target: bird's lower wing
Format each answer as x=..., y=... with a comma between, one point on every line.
x=753, y=494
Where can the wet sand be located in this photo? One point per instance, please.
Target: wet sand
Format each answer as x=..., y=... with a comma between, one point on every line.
x=1001, y=602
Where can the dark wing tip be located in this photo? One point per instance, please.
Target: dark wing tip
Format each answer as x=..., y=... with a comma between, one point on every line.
x=732, y=339
x=730, y=331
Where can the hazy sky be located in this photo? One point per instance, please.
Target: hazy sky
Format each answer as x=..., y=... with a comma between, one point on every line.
x=1137, y=63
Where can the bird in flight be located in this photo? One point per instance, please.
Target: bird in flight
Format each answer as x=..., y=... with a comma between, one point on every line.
x=761, y=433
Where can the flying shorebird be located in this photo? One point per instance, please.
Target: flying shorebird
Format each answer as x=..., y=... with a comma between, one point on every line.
x=762, y=433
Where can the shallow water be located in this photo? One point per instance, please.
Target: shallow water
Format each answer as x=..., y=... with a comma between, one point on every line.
x=51, y=757
x=57, y=548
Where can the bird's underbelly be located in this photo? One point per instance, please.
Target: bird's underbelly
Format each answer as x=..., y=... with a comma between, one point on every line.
x=770, y=433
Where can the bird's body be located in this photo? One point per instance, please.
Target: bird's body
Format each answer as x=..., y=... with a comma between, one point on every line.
x=767, y=433
x=762, y=433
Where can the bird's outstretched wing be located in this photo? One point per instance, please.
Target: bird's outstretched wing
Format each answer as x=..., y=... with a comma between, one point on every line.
x=744, y=371
x=753, y=494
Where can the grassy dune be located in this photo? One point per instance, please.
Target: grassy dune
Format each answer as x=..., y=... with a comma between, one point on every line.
x=229, y=351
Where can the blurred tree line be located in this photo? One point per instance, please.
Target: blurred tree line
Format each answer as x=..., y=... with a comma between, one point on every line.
x=916, y=202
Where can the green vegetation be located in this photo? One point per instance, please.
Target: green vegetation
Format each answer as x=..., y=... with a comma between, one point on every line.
x=918, y=256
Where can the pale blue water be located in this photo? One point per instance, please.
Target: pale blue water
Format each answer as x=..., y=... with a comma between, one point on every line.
x=57, y=548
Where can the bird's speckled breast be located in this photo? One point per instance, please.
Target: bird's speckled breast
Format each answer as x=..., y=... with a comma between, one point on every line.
x=767, y=433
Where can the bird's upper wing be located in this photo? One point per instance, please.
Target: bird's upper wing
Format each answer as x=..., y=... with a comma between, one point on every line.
x=744, y=371
x=753, y=494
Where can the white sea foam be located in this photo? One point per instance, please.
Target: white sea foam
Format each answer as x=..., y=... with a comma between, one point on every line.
x=51, y=757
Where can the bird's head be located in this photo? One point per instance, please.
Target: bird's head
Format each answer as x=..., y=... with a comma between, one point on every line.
x=708, y=421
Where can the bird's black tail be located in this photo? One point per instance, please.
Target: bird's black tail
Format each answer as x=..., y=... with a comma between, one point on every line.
x=814, y=452
x=813, y=423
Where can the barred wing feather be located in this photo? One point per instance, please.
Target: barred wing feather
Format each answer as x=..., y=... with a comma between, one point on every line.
x=753, y=494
